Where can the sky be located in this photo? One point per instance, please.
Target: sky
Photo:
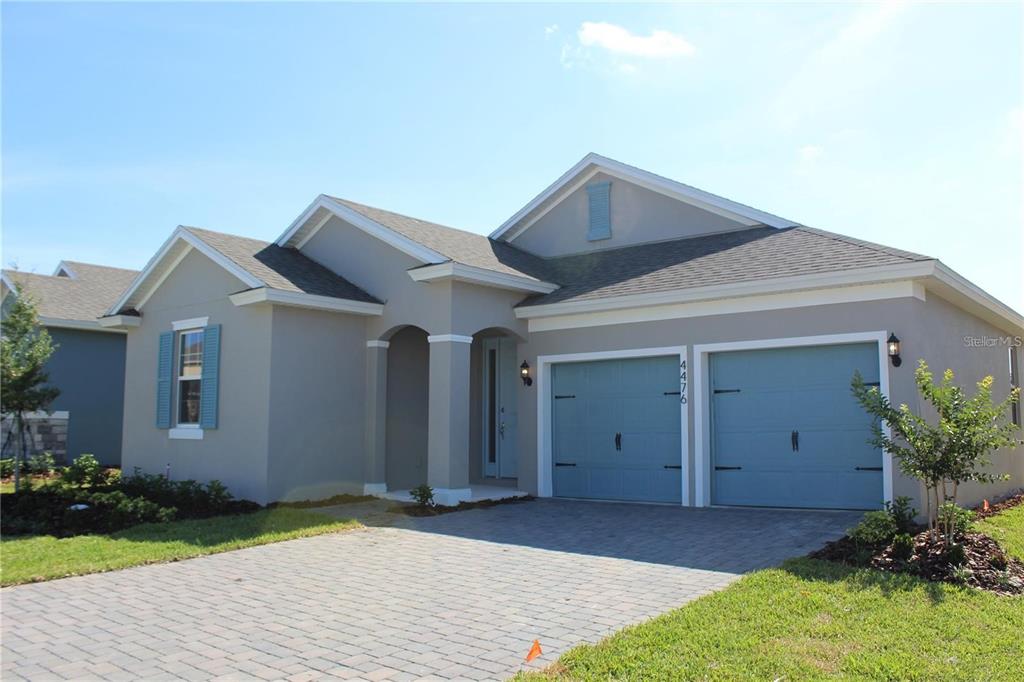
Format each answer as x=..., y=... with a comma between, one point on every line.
x=895, y=123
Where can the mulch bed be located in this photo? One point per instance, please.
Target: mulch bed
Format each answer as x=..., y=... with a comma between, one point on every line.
x=438, y=510
x=987, y=566
x=981, y=512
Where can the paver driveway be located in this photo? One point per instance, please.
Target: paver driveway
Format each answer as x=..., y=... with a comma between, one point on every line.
x=457, y=596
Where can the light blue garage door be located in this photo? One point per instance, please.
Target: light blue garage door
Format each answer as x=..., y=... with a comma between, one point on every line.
x=616, y=430
x=788, y=433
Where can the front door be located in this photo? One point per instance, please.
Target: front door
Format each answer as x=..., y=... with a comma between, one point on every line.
x=501, y=423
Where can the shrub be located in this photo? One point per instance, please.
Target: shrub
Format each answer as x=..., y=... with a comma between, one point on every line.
x=955, y=519
x=423, y=495
x=876, y=529
x=191, y=498
x=903, y=547
x=85, y=470
x=902, y=514
x=6, y=468
x=41, y=463
x=956, y=555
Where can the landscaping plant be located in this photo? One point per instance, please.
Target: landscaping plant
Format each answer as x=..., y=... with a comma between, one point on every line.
x=25, y=347
x=423, y=495
x=948, y=452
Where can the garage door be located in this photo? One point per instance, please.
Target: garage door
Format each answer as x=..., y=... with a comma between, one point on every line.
x=615, y=429
x=788, y=433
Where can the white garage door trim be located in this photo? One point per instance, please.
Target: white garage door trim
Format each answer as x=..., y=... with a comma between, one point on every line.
x=544, y=363
x=702, y=411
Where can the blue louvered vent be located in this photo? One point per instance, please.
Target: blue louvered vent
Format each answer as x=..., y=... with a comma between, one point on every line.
x=599, y=196
x=211, y=374
x=164, y=367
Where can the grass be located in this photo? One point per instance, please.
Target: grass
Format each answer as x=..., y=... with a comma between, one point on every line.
x=37, y=558
x=812, y=619
x=1007, y=528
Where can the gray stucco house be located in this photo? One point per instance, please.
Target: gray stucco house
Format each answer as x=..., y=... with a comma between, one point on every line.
x=88, y=365
x=621, y=337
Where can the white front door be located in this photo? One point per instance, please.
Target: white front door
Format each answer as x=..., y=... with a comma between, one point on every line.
x=501, y=423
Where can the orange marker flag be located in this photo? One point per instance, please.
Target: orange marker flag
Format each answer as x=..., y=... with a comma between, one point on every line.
x=984, y=505
x=534, y=651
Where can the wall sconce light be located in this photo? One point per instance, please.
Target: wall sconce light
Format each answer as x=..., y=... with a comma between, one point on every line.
x=524, y=373
x=894, y=350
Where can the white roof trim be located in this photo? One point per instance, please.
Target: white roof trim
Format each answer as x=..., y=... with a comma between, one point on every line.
x=66, y=268
x=671, y=188
x=303, y=300
x=474, y=275
x=295, y=238
x=181, y=234
x=119, y=322
x=84, y=325
x=9, y=283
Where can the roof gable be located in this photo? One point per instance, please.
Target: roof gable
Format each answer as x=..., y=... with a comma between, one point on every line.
x=593, y=164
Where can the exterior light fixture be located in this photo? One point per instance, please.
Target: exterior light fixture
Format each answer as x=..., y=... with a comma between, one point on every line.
x=524, y=373
x=893, y=345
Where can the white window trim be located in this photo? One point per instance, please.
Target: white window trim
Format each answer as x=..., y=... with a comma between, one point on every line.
x=192, y=323
x=183, y=327
x=702, y=407
x=545, y=484
x=185, y=432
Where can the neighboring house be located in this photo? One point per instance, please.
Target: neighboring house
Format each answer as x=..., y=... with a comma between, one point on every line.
x=88, y=365
x=621, y=337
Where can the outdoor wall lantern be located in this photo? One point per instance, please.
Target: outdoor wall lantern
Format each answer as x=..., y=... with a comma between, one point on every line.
x=894, y=350
x=524, y=372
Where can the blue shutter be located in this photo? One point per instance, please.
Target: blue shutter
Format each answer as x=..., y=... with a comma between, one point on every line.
x=211, y=373
x=599, y=197
x=164, y=369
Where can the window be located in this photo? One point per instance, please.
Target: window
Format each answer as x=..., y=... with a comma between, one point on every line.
x=1014, y=383
x=190, y=374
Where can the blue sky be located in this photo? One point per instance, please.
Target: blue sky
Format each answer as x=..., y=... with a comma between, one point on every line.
x=895, y=123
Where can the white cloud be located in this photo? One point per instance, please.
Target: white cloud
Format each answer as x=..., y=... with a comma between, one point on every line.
x=810, y=153
x=550, y=30
x=659, y=44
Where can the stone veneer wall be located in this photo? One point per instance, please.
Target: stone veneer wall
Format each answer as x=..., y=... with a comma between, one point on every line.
x=47, y=432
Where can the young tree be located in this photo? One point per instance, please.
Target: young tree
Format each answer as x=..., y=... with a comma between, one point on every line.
x=24, y=349
x=953, y=450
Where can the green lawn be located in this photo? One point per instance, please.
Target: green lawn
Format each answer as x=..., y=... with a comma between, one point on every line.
x=1007, y=528
x=36, y=558
x=812, y=619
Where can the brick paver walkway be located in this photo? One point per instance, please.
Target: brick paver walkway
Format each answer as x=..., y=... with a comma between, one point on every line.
x=459, y=596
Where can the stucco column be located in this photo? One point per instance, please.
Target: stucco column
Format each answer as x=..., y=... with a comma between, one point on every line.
x=374, y=472
x=448, y=418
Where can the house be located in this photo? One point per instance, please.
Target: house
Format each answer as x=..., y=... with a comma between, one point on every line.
x=621, y=337
x=88, y=364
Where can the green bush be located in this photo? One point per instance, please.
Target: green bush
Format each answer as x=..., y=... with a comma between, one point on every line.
x=902, y=514
x=41, y=463
x=955, y=519
x=6, y=468
x=85, y=470
x=191, y=498
x=876, y=529
x=423, y=494
x=903, y=547
x=956, y=555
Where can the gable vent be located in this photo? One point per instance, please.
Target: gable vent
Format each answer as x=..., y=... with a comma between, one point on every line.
x=599, y=198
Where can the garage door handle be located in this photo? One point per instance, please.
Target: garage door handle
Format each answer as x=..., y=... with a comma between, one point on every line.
x=673, y=466
x=794, y=440
x=618, y=441
x=726, y=390
x=563, y=397
x=565, y=464
x=867, y=468
x=728, y=468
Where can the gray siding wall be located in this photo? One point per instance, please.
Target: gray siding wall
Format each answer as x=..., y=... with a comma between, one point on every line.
x=638, y=216
x=236, y=452
x=932, y=329
x=407, y=406
x=317, y=404
x=88, y=368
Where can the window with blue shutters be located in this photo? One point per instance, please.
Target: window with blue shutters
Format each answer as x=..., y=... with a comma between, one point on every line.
x=600, y=211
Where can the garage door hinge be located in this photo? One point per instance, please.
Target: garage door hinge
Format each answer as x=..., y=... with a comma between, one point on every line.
x=867, y=468
x=563, y=397
x=673, y=466
x=565, y=464
x=728, y=468
x=727, y=390
x=671, y=393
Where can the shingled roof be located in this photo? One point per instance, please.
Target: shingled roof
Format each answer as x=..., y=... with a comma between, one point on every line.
x=460, y=246
x=84, y=297
x=758, y=253
x=281, y=268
